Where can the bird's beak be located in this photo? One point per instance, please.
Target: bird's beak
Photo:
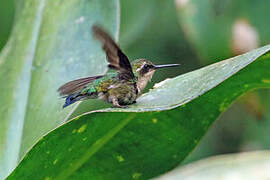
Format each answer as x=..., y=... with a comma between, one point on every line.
x=166, y=65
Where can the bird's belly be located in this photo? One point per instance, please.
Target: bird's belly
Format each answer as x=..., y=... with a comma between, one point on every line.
x=127, y=99
x=125, y=94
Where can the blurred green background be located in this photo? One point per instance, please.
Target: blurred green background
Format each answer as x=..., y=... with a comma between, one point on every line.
x=6, y=18
x=195, y=33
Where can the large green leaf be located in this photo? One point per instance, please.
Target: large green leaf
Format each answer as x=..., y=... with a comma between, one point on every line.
x=218, y=30
x=251, y=165
x=51, y=43
x=152, y=136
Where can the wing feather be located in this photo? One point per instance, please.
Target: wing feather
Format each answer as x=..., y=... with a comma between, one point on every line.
x=76, y=85
x=116, y=58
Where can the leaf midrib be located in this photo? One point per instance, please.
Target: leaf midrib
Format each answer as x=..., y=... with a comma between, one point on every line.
x=34, y=43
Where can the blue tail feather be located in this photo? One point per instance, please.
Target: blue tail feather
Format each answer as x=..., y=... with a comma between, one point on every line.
x=72, y=98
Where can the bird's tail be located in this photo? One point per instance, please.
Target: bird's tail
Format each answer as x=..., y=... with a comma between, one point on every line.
x=72, y=98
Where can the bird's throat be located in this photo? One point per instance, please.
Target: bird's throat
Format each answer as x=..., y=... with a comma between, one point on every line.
x=141, y=85
x=142, y=81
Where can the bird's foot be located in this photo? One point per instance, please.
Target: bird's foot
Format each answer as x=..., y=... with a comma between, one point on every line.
x=117, y=105
x=120, y=106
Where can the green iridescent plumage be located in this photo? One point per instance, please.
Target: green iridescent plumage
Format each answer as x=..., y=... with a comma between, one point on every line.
x=100, y=85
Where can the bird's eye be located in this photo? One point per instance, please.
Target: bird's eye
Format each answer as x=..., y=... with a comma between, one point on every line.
x=147, y=66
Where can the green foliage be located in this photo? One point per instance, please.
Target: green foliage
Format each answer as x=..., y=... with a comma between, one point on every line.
x=251, y=165
x=51, y=43
x=210, y=26
x=6, y=19
x=152, y=136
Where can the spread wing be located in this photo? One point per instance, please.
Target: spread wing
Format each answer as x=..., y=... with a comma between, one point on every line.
x=116, y=58
x=76, y=85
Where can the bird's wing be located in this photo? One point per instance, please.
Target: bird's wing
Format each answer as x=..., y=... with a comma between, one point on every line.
x=76, y=85
x=116, y=58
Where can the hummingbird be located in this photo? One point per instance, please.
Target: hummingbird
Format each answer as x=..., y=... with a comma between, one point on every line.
x=121, y=85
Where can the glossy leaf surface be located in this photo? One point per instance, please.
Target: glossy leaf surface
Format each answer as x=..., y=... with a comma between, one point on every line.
x=152, y=136
x=51, y=43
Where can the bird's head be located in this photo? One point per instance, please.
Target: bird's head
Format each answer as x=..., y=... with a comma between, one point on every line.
x=145, y=69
